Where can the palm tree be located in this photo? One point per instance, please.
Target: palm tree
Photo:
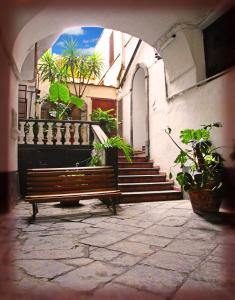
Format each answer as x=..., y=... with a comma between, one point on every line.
x=70, y=61
x=93, y=65
x=81, y=66
x=51, y=69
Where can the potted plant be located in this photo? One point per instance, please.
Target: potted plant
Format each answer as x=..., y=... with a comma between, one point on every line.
x=201, y=168
x=115, y=142
x=107, y=121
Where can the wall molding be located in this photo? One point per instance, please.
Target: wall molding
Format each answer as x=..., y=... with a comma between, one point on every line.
x=9, y=187
x=143, y=67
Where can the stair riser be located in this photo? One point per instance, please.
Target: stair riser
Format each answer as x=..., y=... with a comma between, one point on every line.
x=136, y=165
x=139, y=172
x=142, y=179
x=150, y=198
x=134, y=159
x=140, y=188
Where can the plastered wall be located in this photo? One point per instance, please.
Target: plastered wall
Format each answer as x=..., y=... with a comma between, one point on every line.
x=8, y=115
x=209, y=102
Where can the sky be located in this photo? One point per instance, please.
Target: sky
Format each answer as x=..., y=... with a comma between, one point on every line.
x=86, y=37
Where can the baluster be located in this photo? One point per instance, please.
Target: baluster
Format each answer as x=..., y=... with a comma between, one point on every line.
x=40, y=133
x=80, y=140
x=49, y=134
x=58, y=134
x=67, y=134
x=85, y=134
x=45, y=132
x=26, y=131
x=76, y=134
x=71, y=131
x=35, y=132
x=90, y=136
x=54, y=132
x=21, y=133
x=30, y=135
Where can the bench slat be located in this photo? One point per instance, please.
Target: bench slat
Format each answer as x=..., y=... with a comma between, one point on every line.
x=93, y=178
x=51, y=190
x=70, y=168
x=69, y=173
x=68, y=197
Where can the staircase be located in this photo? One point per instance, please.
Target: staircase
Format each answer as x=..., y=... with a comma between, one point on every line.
x=140, y=181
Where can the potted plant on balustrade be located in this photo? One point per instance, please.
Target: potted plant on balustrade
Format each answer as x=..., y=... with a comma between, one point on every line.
x=107, y=121
x=113, y=142
x=202, y=168
x=109, y=125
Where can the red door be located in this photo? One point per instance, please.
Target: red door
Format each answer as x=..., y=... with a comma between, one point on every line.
x=105, y=104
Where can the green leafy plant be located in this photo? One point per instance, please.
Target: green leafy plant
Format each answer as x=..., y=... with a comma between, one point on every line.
x=59, y=93
x=113, y=142
x=107, y=122
x=201, y=165
x=72, y=66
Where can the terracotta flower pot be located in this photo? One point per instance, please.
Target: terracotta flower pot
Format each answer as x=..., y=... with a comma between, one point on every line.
x=204, y=201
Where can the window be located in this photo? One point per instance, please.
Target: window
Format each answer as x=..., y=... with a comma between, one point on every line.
x=219, y=44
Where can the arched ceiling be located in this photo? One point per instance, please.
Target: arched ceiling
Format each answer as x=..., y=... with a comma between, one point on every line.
x=44, y=22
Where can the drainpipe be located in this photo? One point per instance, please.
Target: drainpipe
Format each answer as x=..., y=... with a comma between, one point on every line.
x=130, y=63
x=123, y=53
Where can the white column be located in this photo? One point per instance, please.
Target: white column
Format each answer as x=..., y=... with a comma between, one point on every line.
x=58, y=134
x=67, y=134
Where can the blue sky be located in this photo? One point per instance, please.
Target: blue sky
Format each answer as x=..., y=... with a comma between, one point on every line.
x=86, y=37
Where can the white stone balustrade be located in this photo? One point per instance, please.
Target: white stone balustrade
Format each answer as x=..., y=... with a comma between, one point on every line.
x=49, y=132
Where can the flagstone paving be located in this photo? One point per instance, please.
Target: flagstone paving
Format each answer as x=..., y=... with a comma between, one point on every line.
x=161, y=249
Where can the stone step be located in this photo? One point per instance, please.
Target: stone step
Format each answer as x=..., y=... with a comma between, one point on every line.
x=134, y=159
x=138, y=171
x=139, y=152
x=135, y=165
x=149, y=196
x=146, y=186
x=141, y=178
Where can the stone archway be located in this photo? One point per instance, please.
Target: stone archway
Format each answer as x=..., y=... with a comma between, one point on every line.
x=140, y=109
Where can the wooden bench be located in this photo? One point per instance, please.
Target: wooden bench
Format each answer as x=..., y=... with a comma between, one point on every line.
x=71, y=184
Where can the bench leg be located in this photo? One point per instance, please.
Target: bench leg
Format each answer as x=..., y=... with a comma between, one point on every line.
x=114, y=206
x=35, y=210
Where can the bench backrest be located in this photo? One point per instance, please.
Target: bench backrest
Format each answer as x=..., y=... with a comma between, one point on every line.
x=69, y=180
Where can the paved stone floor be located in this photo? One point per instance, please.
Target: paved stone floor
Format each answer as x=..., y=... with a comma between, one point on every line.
x=158, y=250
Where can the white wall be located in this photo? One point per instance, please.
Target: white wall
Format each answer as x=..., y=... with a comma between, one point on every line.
x=145, y=55
x=183, y=54
x=210, y=102
x=124, y=46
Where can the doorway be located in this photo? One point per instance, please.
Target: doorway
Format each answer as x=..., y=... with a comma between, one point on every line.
x=140, y=110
